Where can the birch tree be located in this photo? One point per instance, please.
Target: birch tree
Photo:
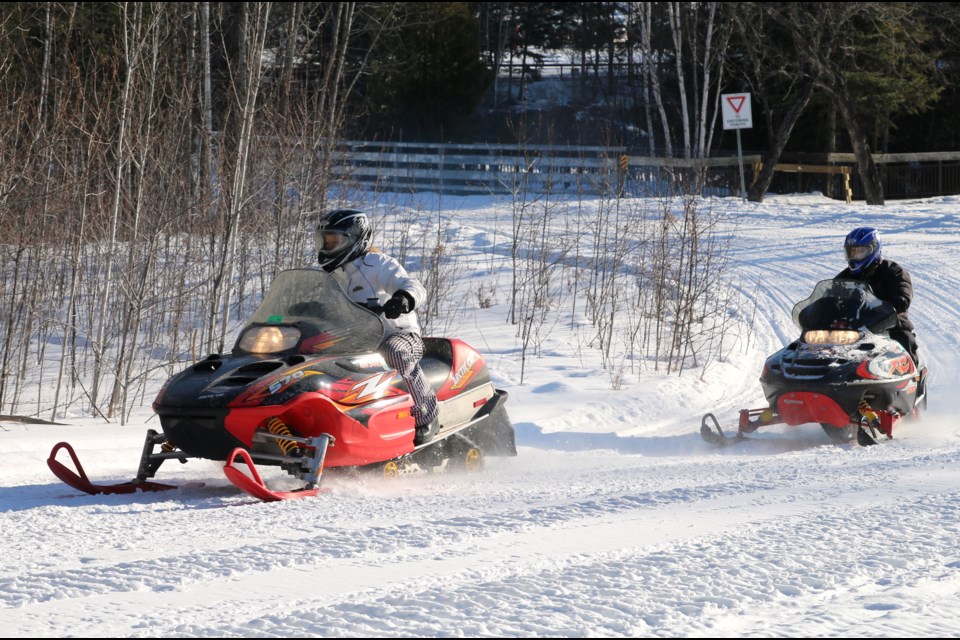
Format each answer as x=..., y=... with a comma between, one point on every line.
x=246, y=72
x=131, y=21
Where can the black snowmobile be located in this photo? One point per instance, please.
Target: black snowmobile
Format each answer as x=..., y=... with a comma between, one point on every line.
x=844, y=372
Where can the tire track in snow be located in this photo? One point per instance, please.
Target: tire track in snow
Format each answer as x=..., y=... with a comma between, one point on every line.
x=198, y=579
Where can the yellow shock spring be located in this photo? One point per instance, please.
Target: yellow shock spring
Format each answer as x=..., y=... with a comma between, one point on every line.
x=867, y=412
x=276, y=426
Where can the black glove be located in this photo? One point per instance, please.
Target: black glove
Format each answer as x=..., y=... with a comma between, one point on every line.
x=400, y=303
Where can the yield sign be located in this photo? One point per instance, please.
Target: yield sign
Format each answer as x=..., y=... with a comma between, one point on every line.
x=737, y=113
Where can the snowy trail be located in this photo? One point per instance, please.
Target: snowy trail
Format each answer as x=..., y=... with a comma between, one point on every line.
x=627, y=535
x=614, y=520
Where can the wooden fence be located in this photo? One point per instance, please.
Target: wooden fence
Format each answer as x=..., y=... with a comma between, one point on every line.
x=504, y=169
x=478, y=168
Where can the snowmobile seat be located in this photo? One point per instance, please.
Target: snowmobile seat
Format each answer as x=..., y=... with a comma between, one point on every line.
x=437, y=360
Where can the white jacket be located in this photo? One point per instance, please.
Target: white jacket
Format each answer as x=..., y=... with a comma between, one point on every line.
x=376, y=275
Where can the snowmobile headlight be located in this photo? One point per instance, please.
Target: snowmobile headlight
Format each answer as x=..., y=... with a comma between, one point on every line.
x=269, y=339
x=834, y=336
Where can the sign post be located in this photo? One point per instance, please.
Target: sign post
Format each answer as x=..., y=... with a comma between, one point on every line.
x=737, y=114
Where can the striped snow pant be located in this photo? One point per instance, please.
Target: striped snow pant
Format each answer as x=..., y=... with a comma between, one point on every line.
x=403, y=351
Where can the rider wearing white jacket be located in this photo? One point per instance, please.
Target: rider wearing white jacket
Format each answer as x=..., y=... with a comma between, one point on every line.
x=344, y=248
x=377, y=275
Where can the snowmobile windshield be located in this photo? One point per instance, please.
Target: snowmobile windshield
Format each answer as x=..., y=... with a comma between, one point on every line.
x=844, y=304
x=316, y=316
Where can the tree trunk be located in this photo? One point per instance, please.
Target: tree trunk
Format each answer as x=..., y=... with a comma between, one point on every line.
x=131, y=50
x=676, y=30
x=831, y=143
x=759, y=188
x=869, y=175
x=650, y=64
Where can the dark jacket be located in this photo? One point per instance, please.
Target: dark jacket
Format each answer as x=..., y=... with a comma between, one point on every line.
x=891, y=283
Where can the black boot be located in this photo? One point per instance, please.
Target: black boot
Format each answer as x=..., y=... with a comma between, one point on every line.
x=426, y=433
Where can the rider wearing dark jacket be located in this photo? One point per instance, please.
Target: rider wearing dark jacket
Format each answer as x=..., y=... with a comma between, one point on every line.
x=889, y=281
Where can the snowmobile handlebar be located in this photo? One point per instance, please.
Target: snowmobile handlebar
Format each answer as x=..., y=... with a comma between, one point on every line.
x=372, y=305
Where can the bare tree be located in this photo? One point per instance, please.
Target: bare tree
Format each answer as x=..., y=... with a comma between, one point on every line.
x=650, y=63
x=807, y=46
x=246, y=75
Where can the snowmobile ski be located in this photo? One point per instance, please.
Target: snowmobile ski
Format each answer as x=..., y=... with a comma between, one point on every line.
x=78, y=479
x=870, y=433
x=254, y=485
x=716, y=436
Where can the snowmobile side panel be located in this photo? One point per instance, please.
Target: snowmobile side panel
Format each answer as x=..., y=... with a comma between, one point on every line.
x=381, y=430
x=489, y=430
x=496, y=436
x=467, y=370
x=801, y=407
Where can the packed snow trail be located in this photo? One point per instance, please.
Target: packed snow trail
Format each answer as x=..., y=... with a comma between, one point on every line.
x=549, y=543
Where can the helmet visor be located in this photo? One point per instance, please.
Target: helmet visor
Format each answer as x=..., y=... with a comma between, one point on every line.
x=330, y=243
x=856, y=253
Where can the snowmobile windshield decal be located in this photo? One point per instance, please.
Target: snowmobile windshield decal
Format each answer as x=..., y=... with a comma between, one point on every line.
x=319, y=343
x=464, y=372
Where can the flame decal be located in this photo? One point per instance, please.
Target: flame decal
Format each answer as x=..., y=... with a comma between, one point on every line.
x=319, y=342
x=273, y=385
x=902, y=365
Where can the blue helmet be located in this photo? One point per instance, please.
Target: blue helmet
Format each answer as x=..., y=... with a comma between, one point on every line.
x=862, y=248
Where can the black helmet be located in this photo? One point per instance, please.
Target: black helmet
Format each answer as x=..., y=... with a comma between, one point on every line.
x=342, y=235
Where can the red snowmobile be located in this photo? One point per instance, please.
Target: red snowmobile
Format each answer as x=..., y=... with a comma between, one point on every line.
x=844, y=372
x=305, y=389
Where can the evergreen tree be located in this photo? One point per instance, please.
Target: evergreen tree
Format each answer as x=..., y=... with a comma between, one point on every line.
x=429, y=75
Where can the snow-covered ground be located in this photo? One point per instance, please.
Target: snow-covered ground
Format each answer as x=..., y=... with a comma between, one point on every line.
x=615, y=519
